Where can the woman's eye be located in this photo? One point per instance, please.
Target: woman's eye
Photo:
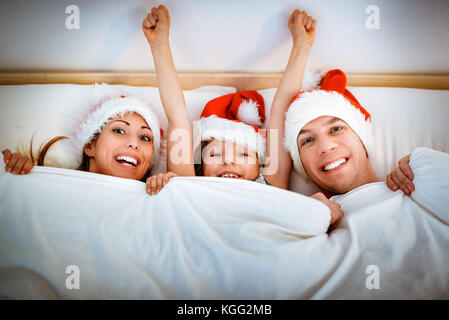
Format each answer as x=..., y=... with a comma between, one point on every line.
x=145, y=138
x=118, y=130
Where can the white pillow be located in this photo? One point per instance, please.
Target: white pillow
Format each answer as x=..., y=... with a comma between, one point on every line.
x=403, y=120
x=431, y=171
x=58, y=110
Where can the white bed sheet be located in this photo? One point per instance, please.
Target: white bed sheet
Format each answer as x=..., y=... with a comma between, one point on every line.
x=214, y=238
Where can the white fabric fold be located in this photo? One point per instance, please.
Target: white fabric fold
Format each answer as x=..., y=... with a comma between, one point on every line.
x=215, y=238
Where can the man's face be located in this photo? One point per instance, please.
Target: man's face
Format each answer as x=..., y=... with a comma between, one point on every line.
x=333, y=155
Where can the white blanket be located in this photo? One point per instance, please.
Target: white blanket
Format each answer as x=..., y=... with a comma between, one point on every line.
x=213, y=238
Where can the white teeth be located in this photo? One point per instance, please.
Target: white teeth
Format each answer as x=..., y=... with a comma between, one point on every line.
x=229, y=175
x=334, y=165
x=127, y=159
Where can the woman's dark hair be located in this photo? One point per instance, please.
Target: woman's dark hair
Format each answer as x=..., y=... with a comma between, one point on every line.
x=43, y=149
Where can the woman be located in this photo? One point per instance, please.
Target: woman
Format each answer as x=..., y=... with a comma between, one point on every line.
x=120, y=137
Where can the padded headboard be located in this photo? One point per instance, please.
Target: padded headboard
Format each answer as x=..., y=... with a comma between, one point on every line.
x=239, y=80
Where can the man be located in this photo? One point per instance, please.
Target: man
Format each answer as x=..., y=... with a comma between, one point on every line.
x=329, y=137
x=328, y=134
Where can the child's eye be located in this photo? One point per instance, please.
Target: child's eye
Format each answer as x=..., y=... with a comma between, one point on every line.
x=145, y=138
x=118, y=131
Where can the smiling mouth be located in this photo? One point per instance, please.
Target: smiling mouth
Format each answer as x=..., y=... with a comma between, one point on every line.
x=229, y=175
x=334, y=165
x=127, y=161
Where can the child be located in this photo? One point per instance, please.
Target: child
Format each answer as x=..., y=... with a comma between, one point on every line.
x=232, y=144
x=156, y=29
x=120, y=137
x=231, y=147
x=228, y=147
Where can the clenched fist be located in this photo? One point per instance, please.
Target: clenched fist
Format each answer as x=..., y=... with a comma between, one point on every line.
x=302, y=27
x=156, y=25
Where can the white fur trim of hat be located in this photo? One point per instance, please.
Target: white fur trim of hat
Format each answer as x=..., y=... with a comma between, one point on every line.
x=214, y=127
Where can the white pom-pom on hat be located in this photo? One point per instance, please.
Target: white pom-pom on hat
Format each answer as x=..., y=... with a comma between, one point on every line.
x=249, y=113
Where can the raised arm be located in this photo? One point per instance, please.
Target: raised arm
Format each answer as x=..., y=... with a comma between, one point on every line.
x=179, y=136
x=302, y=28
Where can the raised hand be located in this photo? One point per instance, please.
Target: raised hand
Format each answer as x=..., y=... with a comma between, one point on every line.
x=302, y=27
x=156, y=25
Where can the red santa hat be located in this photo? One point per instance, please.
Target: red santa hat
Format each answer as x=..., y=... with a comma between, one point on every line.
x=332, y=99
x=108, y=102
x=237, y=118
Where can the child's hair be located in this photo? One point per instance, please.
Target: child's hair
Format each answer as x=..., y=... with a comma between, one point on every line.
x=199, y=166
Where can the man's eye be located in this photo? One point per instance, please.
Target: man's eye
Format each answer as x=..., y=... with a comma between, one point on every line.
x=335, y=129
x=145, y=138
x=118, y=130
x=306, y=141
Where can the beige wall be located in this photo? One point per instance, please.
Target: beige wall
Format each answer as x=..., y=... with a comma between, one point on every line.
x=212, y=35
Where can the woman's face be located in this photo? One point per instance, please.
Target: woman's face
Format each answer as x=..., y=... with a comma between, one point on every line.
x=123, y=148
x=230, y=160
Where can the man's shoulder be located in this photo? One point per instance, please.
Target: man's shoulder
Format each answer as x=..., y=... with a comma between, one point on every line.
x=366, y=194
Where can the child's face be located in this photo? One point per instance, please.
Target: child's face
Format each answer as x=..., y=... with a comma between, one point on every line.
x=123, y=148
x=230, y=160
